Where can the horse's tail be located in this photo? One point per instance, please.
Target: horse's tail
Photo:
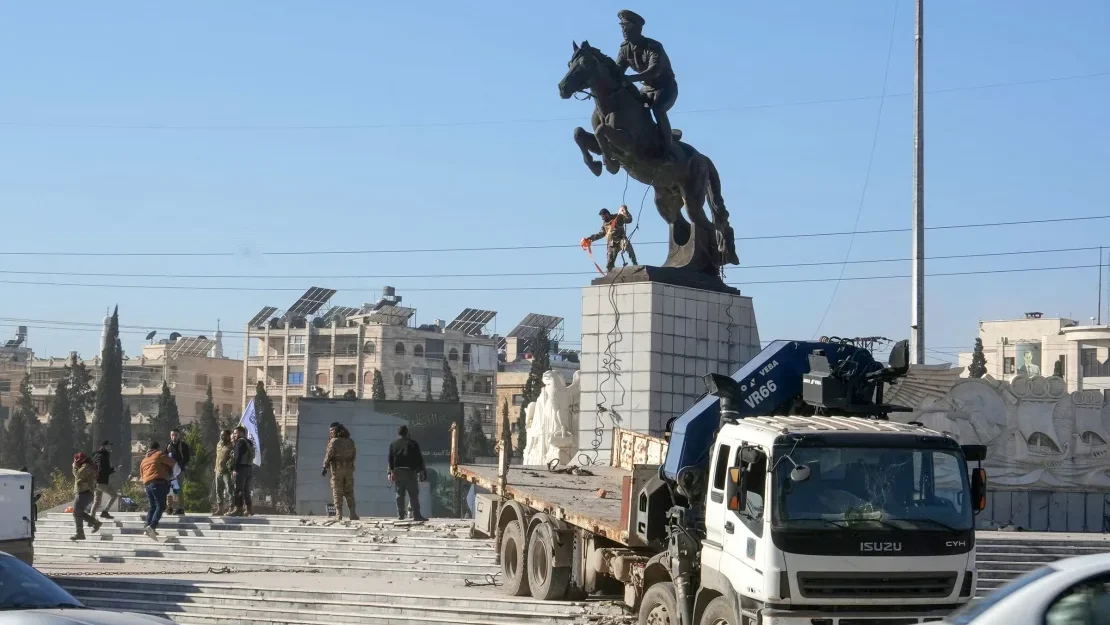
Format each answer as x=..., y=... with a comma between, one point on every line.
x=716, y=200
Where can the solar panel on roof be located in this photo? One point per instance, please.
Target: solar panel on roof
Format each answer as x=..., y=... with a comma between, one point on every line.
x=191, y=346
x=391, y=315
x=338, y=313
x=471, y=321
x=312, y=300
x=262, y=315
x=533, y=324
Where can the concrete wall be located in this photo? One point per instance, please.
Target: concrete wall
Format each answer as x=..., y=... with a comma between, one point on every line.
x=372, y=432
x=1046, y=511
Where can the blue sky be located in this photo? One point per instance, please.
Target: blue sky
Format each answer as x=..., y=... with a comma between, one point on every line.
x=250, y=128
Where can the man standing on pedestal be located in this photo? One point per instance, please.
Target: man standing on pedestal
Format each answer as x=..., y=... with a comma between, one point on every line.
x=616, y=239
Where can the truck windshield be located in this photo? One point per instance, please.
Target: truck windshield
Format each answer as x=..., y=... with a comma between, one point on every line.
x=872, y=488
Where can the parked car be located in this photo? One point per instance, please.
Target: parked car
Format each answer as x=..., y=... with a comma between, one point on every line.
x=28, y=597
x=1073, y=591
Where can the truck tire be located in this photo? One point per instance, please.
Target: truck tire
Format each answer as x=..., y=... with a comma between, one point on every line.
x=658, y=606
x=514, y=569
x=719, y=612
x=546, y=581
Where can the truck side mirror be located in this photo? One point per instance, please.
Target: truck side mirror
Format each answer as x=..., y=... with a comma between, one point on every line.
x=736, y=494
x=978, y=490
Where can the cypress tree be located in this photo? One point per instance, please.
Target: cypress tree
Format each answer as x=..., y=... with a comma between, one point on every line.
x=475, y=443
x=108, y=421
x=428, y=388
x=167, y=417
x=82, y=399
x=533, y=386
x=59, y=430
x=450, y=390
x=209, y=421
x=377, y=391
x=17, y=448
x=978, y=366
x=269, y=439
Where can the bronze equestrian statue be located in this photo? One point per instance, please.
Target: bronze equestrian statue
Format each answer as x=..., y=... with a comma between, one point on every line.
x=625, y=135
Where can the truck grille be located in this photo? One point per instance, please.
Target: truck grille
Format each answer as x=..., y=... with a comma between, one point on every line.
x=829, y=585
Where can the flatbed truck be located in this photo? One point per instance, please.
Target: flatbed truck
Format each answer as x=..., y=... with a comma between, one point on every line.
x=783, y=496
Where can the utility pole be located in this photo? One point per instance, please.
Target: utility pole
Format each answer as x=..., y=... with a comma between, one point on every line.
x=917, y=325
x=1100, y=285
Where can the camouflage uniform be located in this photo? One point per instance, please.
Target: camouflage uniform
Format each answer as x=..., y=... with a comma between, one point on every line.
x=339, y=460
x=223, y=487
x=616, y=239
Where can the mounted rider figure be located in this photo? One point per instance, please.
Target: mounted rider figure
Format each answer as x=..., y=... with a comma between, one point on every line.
x=648, y=58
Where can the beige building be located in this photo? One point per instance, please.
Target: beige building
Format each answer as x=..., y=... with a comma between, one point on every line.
x=312, y=349
x=1035, y=344
x=187, y=364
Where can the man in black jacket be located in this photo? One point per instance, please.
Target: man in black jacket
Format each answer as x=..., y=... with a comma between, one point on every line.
x=406, y=471
x=102, y=458
x=242, y=459
x=179, y=450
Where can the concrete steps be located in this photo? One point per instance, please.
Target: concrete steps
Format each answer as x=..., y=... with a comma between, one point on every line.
x=437, y=550
x=1002, y=556
x=201, y=603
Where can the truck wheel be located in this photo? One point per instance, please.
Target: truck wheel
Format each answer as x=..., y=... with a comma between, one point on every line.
x=719, y=612
x=545, y=579
x=658, y=606
x=513, y=563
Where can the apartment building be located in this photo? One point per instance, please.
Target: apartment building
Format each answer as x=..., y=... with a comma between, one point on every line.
x=315, y=349
x=1039, y=345
x=187, y=364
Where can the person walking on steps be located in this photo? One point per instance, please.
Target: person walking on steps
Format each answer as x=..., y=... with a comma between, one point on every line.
x=155, y=471
x=406, y=471
x=102, y=458
x=616, y=239
x=84, y=483
x=222, y=487
x=242, y=459
x=339, y=458
x=181, y=453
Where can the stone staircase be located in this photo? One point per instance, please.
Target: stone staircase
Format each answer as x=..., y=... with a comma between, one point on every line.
x=440, y=550
x=1002, y=556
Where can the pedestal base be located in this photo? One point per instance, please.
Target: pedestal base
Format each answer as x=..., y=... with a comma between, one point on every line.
x=646, y=347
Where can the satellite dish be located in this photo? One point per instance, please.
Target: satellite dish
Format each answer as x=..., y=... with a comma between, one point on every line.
x=151, y=335
x=174, y=336
x=202, y=337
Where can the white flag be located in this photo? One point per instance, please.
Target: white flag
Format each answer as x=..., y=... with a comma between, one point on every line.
x=249, y=420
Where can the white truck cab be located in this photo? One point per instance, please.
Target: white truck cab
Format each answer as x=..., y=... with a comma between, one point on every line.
x=838, y=521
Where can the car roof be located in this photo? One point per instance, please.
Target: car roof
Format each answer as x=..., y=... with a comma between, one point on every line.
x=1078, y=563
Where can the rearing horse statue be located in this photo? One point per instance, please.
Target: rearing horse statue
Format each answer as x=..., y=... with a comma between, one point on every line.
x=625, y=135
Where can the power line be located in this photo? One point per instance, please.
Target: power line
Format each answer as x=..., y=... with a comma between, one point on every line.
x=502, y=274
x=867, y=176
x=511, y=248
x=531, y=120
x=170, y=287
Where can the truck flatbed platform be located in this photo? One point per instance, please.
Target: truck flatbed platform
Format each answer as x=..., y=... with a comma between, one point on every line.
x=572, y=498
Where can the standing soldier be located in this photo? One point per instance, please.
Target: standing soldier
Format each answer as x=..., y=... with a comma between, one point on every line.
x=616, y=239
x=339, y=458
x=647, y=57
x=406, y=471
x=223, y=487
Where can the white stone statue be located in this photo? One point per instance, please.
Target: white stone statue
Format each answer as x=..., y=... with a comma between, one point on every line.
x=552, y=422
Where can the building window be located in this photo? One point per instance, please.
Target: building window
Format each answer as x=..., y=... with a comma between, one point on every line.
x=321, y=379
x=399, y=349
x=398, y=379
x=200, y=381
x=518, y=399
x=226, y=410
x=351, y=378
x=1008, y=365
x=228, y=383
x=1062, y=368
x=369, y=348
x=296, y=345
x=368, y=376
x=296, y=378
x=5, y=386
x=199, y=407
x=453, y=355
x=418, y=351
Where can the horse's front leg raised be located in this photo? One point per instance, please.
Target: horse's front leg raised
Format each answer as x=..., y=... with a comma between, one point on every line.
x=588, y=143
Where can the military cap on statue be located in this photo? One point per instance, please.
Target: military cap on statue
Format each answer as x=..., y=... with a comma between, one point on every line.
x=630, y=17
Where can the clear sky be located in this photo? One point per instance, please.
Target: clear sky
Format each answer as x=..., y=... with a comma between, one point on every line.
x=254, y=128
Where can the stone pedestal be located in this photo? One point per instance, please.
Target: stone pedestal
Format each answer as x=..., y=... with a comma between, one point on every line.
x=646, y=346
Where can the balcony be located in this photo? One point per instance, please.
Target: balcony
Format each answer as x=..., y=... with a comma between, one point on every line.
x=477, y=398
